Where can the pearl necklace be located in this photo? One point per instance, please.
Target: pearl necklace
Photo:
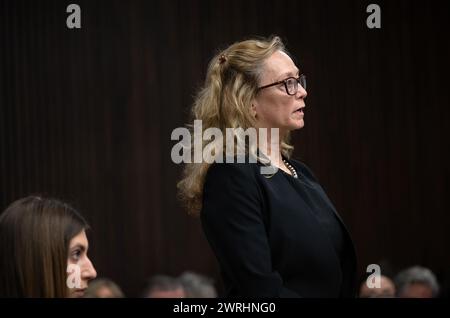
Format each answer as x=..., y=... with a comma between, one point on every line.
x=291, y=168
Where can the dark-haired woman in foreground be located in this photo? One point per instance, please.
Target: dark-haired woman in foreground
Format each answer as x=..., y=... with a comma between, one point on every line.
x=44, y=249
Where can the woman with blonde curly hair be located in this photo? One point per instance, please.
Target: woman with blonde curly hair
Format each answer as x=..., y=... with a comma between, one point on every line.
x=275, y=235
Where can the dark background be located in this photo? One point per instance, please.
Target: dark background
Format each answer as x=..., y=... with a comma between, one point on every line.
x=86, y=115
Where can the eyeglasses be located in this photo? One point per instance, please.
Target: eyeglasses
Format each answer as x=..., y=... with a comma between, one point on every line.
x=290, y=84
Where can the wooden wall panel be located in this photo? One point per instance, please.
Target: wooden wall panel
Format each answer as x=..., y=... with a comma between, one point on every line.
x=86, y=115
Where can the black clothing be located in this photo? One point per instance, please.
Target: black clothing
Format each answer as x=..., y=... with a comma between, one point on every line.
x=276, y=236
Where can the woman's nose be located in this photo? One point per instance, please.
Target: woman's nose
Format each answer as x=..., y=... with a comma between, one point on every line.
x=89, y=271
x=301, y=92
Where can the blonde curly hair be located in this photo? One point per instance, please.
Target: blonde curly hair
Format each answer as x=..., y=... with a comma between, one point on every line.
x=224, y=101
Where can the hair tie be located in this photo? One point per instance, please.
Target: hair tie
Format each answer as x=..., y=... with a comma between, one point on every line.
x=222, y=59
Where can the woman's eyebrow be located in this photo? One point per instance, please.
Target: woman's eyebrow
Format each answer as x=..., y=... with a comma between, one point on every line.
x=80, y=246
x=287, y=74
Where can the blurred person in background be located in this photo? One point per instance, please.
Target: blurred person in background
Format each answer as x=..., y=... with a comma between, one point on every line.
x=103, y=288
x=198, y=286
x=163, y=286
x=386, y=289
x=416, y=282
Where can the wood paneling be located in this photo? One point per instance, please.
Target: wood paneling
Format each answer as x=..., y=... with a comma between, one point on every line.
x=86, y=115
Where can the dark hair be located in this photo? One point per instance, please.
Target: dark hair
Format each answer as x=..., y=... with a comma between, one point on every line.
x=198, y=286
x=35, y=234
x=99, y=283
x=161, y=283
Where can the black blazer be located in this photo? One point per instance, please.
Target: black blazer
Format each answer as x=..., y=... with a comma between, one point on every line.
x=277, y=236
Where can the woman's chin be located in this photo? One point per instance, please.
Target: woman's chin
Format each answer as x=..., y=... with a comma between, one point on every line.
x=77, y=293
x=298, y=124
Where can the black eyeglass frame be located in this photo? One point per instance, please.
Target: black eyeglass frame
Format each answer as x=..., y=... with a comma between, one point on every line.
x=301, y=78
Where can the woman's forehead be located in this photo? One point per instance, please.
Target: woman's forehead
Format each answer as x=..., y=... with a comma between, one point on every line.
x=79, y=239
x=279, y=65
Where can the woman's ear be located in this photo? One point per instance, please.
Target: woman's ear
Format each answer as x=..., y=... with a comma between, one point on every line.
x=253, y=110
